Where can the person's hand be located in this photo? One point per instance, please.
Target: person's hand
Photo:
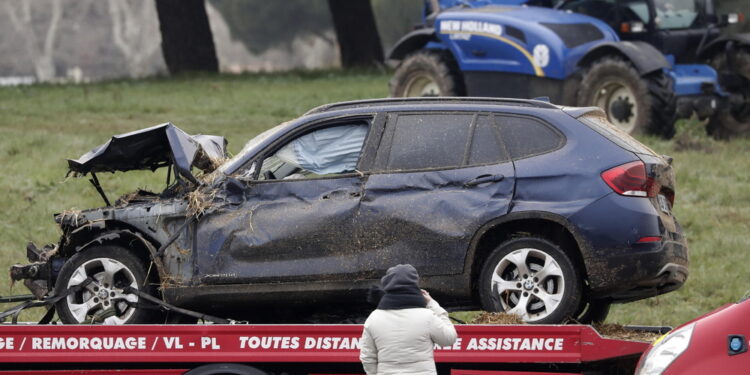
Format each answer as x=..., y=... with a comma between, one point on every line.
x=426, y=295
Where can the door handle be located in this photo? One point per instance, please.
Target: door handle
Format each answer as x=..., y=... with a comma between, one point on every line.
x=342, y=194
x=483, y=179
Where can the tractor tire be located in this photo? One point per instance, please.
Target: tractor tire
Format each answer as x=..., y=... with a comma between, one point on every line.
x=533, y=278
x=103, y=300
x=427, y=73
x=733, y=120
x=634, y=104
x=663, y=106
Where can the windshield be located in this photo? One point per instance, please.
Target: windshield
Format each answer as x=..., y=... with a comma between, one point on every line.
x=251, y=145
x=670, y=14
x=675, y=14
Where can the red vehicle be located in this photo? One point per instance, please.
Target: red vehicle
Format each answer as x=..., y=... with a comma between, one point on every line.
x=299, y=349
x=716, y=343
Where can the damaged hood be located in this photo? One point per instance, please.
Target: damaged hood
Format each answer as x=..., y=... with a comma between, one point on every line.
x=153, y=148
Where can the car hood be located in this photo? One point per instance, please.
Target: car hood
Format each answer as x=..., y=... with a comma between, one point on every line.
x=153, y=148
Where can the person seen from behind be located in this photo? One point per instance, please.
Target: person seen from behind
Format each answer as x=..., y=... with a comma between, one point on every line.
x=400, y=334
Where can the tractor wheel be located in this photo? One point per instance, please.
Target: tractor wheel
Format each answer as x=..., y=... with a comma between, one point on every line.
x=634, y=104
x=733, y=120
x=533, y=278
x=103, y=300
x=427, y=73
x=663, y=111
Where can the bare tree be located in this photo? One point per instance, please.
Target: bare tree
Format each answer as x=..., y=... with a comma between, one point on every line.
x=356, y=32
x=40, y=48
x=186, y=39
x=136, y=44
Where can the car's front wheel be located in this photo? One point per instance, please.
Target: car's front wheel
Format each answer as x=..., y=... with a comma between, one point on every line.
x=103, y=300
x=533, y=278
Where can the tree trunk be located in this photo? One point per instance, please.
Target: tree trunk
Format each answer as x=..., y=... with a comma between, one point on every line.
x=186, y=39
x=356, y=32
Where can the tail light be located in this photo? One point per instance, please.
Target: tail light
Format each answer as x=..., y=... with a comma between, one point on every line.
x=630, y=179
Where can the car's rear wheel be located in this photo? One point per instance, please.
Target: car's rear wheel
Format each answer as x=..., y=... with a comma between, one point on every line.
x=427, y=73
x=593, y=311
x=103, y=300
x=533, y=278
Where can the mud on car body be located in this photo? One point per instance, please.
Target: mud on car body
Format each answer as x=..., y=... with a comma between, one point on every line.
x=521, y=206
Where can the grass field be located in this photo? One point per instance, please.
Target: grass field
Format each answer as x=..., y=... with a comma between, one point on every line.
x=41, y=126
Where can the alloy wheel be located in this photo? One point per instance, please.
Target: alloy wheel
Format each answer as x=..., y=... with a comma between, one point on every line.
x=529, y=283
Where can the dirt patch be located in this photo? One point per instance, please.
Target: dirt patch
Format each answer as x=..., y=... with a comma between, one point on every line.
x=688, y=142
x=139, y=195
x=496, y=318
x=612, y=331
x=73, y=216
x=616, y=331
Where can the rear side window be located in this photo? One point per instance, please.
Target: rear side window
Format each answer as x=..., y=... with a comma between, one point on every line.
x=602, y=126
x=526, y=136
x=423, y=141
x=486, y=146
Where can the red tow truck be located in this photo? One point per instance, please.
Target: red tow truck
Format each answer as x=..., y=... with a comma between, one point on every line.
x=714, y=343
x=240, y=349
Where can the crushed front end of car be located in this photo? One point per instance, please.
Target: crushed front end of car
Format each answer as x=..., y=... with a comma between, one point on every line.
x=139, y=220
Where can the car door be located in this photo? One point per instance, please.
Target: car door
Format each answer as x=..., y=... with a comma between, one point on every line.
x=436, y=179
x=295, y=223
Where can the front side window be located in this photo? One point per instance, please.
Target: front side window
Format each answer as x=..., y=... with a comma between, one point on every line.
x=320, y=153
x=427, y=141
x=675, y=14
x=611, y=11
x=605, y=10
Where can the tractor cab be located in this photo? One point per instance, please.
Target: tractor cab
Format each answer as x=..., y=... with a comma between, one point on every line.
x=680, y=28
x=647, y=63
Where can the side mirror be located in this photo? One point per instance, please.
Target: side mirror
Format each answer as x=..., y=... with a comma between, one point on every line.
x=234, y=191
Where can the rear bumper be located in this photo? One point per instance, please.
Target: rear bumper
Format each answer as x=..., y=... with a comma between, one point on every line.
x=618, y=267
x=641, y=274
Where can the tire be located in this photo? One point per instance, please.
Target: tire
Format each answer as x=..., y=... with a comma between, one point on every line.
x=225, y=369
x=427, y=73
x=634, y=104
x=594, y=311
x=663, y=106
x=503, y=287
x=110, y=267
x=733, y=120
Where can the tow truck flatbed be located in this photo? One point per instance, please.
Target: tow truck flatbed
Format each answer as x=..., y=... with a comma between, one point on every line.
x=299, y=349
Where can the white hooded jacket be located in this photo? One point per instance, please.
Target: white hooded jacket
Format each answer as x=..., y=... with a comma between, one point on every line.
x=401, y=341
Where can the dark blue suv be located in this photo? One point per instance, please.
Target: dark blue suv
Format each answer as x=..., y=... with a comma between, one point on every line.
x=520, y=206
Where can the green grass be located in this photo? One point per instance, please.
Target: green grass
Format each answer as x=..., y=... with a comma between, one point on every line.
x=41, y=126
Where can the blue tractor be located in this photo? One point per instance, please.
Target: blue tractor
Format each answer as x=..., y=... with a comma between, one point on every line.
x=647, y=63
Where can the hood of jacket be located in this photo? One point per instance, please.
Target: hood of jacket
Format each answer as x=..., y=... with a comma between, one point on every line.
x=401, y=289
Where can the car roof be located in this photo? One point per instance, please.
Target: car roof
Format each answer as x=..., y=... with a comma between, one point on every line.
x=422, y=102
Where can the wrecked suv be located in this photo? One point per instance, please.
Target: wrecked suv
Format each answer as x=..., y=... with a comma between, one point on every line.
x=520, y=206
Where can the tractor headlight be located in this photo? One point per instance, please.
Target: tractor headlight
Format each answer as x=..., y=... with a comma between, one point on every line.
x=666, y=351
